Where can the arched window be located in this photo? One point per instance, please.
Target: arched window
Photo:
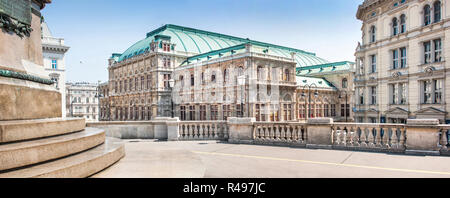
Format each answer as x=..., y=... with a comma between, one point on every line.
x=402, y=23
x=259, y=72
x=373, y=34
x=437, y=11
x=344, y=83
x=394, y=26
x=225, y=76
x=427, y=15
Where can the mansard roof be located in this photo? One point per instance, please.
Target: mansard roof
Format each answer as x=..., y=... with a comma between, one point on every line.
x=194, y=41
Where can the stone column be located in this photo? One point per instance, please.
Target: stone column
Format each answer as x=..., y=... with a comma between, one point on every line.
x=241, y=130
x=422, y=137
x=319, y=133
x=173, y=129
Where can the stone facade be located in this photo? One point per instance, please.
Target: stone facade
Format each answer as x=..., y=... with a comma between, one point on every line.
x=401, y=63
x=82, y=101
x=54, y=51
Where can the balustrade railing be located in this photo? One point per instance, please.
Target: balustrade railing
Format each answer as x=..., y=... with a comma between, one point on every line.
x=377, y=137
x=444, y=140
x=203, y=130
x=280, y=132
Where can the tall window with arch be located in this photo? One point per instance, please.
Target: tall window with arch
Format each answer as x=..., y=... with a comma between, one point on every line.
x=427, y=15
x=344, y=83
x=394, y=26
x=372, y=33
x=402, y=23
x=437, y=11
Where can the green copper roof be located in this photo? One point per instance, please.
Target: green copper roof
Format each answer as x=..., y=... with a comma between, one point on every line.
x=199, y=42
x=323, y=68
x=302, y=81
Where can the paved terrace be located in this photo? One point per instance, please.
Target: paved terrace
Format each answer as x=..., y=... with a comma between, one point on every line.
x=212, y=159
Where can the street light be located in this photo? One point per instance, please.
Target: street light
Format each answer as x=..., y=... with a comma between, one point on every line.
x=316, y=94
x=346, y=102
x=241, y=82
x=171, y=85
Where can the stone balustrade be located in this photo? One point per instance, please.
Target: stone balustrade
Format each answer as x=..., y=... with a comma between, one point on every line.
x=280, y=133
x=375, y=137
x=203, y=130
x=424, y=137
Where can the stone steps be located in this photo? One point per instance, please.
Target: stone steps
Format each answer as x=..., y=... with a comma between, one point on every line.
x=83, y=164
x=19, y=130
x=15, y=155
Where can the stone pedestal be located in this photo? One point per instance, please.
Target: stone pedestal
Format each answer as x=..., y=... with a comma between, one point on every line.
x=319, y=133
x=422, y=137
x=161, y=127
x=241, y=130
x=173, y=133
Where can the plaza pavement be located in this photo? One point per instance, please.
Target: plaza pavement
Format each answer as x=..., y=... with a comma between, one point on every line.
x=211, y=159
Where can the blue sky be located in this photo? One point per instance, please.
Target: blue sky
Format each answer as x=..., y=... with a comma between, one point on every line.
x=94, y=29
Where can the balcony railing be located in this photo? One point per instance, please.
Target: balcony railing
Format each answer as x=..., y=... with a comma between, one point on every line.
x=203, y=130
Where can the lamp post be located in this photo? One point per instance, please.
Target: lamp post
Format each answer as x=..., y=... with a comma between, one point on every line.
x=346, y=103
x=241, y=82
x=316, y=94
x=171, y=85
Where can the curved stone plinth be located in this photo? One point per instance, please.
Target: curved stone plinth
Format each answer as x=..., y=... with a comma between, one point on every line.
x=83, y=164
x=16, y=155
x=18, y=130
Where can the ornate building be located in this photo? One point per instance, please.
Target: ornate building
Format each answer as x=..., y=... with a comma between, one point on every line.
x=54, y=50
x=205, y=67
x=82, y=100
x=401, y=62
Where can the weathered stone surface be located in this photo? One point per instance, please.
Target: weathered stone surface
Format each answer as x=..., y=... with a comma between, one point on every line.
x=11, y=131
x=126, y=130
x=422, y=121
x=241, y=129
x=16, y=155
x=320, y=121
x=83, y=164
x=319, y=135
x=23, y=103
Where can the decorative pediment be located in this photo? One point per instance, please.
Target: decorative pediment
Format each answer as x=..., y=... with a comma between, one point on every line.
x=397, y=110
x=431, y=111
x=372, y=110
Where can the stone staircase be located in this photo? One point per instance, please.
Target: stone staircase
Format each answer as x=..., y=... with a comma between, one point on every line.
x=55, y=148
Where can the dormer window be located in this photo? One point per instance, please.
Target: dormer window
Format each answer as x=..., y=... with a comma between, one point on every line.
x=166, y=47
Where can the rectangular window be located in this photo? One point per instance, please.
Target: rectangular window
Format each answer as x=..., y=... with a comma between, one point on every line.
x=202, y=112
x=301, y=111
x=361, y=95
x=326, y=110
x=403, y=57
x=437, y=50
x=373, y=64
x=192, y=80
x=226, y=110
x=427, y=92
x=54, y=64
x=142, y=82
x=258, y=112
x=333, y=110
x=437, y=91
x=287, y=112
x=347, y=112
x=192, y=112
x=373, y=94
x=403, y=93
x=427, y=52
x=342, y=110
x=149, y=81
x=183, y=113
x=394, y=59
x=214, y=112
x=394, y=93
